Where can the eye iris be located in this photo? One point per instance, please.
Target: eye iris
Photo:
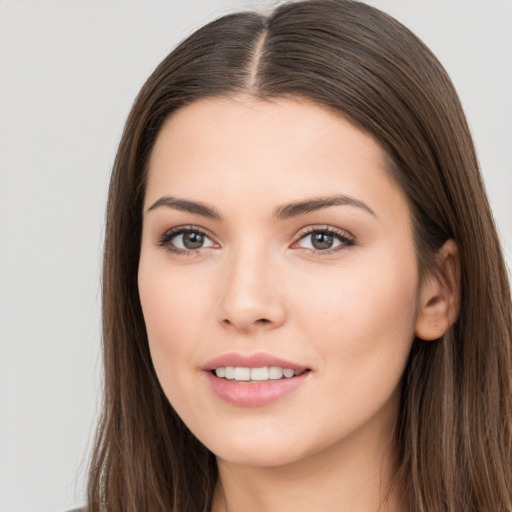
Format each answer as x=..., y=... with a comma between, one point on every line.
x=193, y=240
x=322, y=240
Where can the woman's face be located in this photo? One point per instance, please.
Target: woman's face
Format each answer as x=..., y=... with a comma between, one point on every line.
x=276, y=248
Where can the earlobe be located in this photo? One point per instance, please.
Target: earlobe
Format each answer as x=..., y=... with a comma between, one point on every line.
x=439, y=298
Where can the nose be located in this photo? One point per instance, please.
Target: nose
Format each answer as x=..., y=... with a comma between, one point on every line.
x=251, y=293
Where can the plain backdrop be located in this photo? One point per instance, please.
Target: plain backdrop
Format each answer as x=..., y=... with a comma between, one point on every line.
x=69, y=71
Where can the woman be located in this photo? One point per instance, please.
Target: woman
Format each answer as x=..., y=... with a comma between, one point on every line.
x=305, y=301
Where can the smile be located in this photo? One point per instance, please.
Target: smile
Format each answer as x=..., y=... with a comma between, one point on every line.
x=264, y=373
x=254, y=379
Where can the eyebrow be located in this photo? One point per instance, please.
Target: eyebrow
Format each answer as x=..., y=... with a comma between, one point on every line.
x=186, y=206
x=310, y=205
x=283, y=212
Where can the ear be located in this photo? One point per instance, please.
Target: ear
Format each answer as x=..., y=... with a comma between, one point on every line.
x=439, y=302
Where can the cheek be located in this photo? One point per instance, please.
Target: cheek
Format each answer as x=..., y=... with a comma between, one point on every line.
x=173, y=306
x=361, y=323
x=364, y=313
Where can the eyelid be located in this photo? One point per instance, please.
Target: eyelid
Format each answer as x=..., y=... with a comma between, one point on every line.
x=346, y=238
x=165, y=238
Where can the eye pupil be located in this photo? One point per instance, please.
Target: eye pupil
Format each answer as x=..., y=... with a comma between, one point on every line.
x=322, y=240
x=193, y=240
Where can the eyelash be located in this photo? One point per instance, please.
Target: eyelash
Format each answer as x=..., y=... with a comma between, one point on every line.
x=346, y=240
x=165, y=239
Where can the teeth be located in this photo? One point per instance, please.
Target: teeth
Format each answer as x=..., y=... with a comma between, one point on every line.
x=255, y=374
x=242, y=373
x=274, y=372
x=259, y=373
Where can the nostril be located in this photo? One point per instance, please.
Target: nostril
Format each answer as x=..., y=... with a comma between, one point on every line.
x=248, y=318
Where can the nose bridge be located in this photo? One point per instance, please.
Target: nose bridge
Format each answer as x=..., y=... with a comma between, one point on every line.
x=250, y=290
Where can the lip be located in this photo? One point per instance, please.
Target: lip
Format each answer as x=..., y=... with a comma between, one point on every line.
x=256, y=360
x=253, y=394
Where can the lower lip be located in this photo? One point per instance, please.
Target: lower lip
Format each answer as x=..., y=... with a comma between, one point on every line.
x=254, y=394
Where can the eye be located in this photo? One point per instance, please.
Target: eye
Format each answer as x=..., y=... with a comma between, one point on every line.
x=185, y=240
x=324, y=240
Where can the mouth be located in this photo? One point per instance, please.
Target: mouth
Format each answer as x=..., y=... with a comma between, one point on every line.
x=255, y=375
x=254, y=380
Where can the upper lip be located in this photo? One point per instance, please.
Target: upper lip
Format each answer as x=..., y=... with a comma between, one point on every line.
x=257, y=360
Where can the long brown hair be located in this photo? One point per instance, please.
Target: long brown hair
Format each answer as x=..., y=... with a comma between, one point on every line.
x=453, y=433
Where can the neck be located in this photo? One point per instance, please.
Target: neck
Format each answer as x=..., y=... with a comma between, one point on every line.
x=355, y=475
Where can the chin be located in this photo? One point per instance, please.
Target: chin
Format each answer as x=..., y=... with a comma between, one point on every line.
x=275, y=447
x=258, y=456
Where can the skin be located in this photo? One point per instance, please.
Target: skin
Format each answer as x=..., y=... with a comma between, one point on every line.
x=259, y=285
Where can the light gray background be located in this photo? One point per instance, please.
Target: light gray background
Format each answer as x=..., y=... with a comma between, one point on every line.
x=69, y=73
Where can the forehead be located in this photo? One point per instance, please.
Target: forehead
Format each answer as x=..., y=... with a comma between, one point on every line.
x=280, y=149
x=234, y=123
